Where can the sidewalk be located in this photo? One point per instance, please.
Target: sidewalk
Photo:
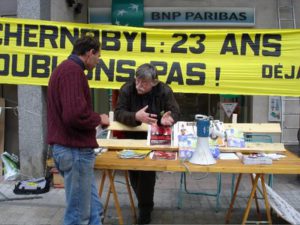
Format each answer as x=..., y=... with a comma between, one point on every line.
x=195, y=209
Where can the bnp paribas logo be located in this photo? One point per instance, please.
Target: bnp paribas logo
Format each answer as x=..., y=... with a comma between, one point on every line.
x=130, y=14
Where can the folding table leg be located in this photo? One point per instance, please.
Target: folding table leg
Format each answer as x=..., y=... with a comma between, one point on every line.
x=130, y=198
x=179, y=196
x=255, y=198
x=113, y=190
x=108, y=194
x=183, y=188
x=228, y=215
x=218, y=193
x=254, y=186
x=102, y=183
x=265, y=196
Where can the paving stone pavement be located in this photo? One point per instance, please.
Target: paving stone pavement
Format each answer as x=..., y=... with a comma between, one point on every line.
x=49, y=209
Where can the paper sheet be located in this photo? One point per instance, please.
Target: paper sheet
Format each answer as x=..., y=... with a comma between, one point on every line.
x=229, y=155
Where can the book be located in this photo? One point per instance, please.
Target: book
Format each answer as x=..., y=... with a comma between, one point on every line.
x=186, y=146
x=133, y=154
x=159, y=135
x=185, y=137
x=163, y=155
x=184, y=129
x=256, y=158
x=235, y=138
x=188, y=128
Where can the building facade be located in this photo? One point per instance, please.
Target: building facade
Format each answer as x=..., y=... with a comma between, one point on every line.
x=25, y=130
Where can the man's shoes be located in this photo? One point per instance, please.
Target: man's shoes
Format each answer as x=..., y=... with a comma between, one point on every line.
x=144, y=218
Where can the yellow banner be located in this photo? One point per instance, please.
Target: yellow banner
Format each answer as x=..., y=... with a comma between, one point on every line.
x=239, y=61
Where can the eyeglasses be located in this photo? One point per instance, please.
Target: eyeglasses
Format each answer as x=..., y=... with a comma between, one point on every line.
x=143, y=82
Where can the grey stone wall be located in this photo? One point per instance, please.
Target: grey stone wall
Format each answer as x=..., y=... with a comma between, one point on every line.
x=32, y=99
x=32, y=105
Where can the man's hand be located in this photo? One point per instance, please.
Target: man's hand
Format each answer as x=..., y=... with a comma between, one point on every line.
x=144, y=117
x=167, y=119
x=104, y=120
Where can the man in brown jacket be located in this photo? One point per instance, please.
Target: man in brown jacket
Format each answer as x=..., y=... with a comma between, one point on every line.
x=145, y=100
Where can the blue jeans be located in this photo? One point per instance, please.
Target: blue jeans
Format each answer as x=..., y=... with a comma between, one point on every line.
x=76, y=165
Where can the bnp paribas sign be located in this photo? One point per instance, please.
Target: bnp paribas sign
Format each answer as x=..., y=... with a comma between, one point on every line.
x=138, y=15
x=198, y=16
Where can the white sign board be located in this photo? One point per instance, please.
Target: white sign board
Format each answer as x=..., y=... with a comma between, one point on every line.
x=185, y=16
x=274, y=112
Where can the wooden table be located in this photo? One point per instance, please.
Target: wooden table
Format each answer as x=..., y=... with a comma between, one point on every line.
x=109, y=162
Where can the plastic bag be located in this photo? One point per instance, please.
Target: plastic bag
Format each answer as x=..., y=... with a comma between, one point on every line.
x=101, y=133
x=33, y=186
x=10, y=162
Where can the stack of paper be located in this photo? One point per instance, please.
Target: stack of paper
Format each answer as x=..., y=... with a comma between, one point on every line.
x=133, y=154
x=253, y=159
x=228, y=156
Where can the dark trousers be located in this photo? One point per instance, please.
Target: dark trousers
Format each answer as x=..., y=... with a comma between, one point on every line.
x=143, y=183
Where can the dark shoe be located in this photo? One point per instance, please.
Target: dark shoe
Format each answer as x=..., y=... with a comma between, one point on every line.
x=144, y=218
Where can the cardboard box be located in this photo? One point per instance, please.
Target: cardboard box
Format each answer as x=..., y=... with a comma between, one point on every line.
x=58, y=180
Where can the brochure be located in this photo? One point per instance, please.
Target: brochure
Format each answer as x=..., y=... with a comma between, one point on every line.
x=159, y=135
x=184, y=128
x=235, y=138
x=186, y=146
x=163, y=155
